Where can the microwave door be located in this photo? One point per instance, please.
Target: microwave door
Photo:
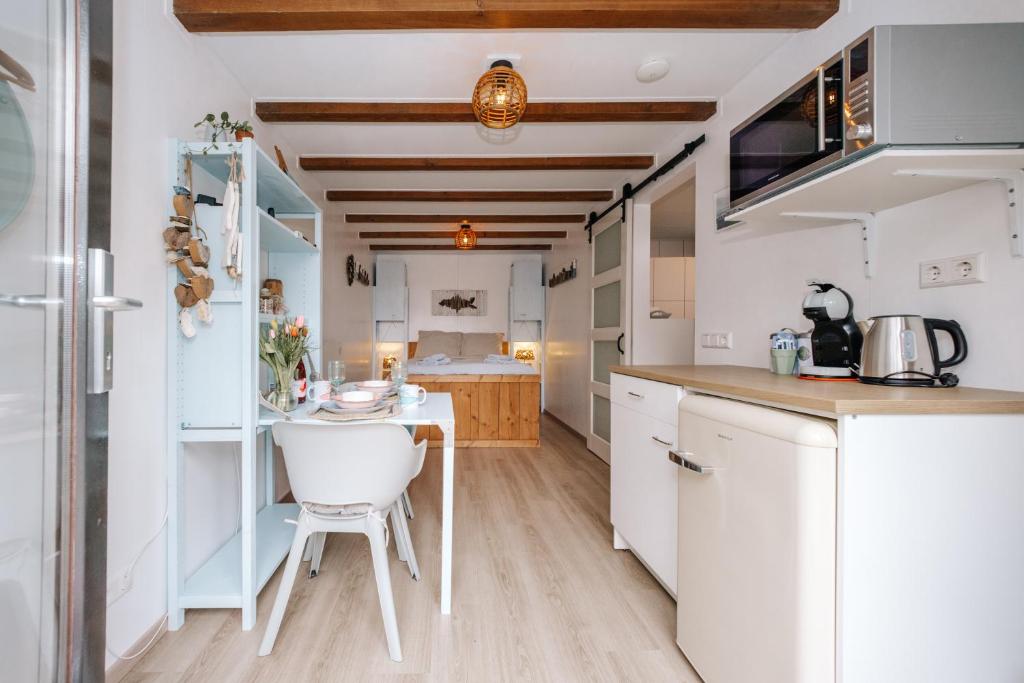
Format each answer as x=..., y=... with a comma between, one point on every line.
x=795, y=134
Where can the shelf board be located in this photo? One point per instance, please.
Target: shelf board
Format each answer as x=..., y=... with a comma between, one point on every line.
x=218, y=583
x=876, y=183
x=206, y=435
x=275, y=236
x=274, y=188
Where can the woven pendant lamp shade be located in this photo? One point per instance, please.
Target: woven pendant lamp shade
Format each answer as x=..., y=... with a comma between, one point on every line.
x=465, y=238
x=499, y=98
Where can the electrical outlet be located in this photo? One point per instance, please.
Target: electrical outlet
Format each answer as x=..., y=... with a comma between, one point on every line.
x=957, y=270
x=716, y=340
x=965, y=269
x=118, y=586
x=933, y=273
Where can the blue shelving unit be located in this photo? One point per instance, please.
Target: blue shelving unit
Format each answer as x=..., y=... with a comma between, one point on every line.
x=214, y=378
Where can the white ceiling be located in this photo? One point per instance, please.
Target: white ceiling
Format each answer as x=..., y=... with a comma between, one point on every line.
x=674, y=215
x=438, y=65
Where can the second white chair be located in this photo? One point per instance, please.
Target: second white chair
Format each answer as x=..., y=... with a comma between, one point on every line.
x=348, y=478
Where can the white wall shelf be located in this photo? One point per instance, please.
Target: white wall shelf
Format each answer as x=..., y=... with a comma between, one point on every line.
x=275, y=189
x=275, y=236
x=884, y=180
x=215, y=377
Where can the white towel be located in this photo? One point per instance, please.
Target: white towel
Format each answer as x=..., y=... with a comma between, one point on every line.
x=499, y=358
x=436, y=359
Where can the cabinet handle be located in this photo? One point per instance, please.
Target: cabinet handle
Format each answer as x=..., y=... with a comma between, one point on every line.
x=634, y=395
x=680, y=458
x=663, y=443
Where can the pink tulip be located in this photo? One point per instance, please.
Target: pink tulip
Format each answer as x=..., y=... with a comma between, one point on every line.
x=300, y=321
x=272, y=333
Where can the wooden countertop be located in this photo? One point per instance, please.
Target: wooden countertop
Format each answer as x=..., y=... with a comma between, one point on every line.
x=834, y=398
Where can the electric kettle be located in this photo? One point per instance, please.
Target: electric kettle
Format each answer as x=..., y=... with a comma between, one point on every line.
x=901, y=350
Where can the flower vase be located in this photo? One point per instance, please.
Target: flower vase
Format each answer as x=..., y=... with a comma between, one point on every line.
x=283, y=398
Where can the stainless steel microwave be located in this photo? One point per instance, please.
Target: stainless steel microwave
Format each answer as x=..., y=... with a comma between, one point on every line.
x=934, y=86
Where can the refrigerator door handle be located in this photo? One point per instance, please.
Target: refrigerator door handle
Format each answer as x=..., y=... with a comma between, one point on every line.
x=680, y=458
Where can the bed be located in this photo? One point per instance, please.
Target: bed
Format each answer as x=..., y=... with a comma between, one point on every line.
x=497, y=405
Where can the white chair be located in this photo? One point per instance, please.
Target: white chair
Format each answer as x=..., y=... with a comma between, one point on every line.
x=348, y=478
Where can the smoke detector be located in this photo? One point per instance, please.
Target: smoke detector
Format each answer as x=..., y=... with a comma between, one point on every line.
x=652, y=70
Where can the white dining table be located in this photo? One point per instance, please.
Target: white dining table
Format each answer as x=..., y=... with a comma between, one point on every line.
x=437, y=411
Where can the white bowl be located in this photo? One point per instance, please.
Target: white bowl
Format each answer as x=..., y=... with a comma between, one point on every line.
x=377, y=386
x=357, y=399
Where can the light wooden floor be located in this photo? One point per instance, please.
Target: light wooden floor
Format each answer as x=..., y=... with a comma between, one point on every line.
x=539, y=593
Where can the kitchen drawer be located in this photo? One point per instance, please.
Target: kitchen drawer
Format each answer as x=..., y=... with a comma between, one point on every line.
x=644, y=490
x=655, y=399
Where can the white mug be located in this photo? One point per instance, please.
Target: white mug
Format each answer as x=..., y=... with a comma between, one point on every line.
x=319, y=391
x=413, y=393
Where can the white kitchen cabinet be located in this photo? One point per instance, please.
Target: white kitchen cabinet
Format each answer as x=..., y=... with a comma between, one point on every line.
x=928, y=517
x=643, y=480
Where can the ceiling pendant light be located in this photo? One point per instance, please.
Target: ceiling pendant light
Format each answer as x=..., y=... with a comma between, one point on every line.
x=465, y=238
x=499, y=98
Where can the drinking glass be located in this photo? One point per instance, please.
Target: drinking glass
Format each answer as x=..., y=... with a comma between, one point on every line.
x=399, y=373
x=336, y=374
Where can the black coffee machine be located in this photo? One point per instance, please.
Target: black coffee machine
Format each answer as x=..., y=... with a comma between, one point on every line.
x=835, y=341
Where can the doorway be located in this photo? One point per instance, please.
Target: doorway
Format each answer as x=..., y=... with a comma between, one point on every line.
x=665, y=267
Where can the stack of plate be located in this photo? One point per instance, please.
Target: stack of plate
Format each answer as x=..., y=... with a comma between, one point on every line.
x=369, y=397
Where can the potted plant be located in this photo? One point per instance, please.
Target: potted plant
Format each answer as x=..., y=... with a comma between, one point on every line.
x=221, y=128
x=281, y=348
x=216, y=128
x=242, y=130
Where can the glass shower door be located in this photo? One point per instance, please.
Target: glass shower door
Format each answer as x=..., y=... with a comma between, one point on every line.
x=32, y=265
x=609, y=343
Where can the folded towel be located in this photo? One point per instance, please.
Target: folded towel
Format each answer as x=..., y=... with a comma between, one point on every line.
x=436, y=359
x=499, y=358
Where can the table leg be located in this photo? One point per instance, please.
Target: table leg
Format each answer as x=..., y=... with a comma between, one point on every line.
x=447, y=507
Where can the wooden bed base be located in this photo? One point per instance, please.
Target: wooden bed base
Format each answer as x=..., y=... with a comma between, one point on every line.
x=491, y=411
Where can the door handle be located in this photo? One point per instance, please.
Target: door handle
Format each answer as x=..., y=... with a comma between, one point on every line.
x=116, y=303
x=618, y=344
x=821, y=109
x=28, y=300
x=102, y=303
x=634, y=394
x=679, y=458
x=663, y=443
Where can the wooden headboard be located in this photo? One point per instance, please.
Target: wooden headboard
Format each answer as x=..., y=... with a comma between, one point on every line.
x=412, y=348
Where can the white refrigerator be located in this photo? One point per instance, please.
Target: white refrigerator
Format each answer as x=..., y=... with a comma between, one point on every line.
x=757, y=542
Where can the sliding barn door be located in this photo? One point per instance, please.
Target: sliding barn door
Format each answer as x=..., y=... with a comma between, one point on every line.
x=609, y=321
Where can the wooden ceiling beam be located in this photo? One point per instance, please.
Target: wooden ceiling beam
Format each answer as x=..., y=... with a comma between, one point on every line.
x=383, y=15
x=450, y=234
x=393, y=219
x=544, y=163
x=452, y=247
x=469, y=195
x=652, y=111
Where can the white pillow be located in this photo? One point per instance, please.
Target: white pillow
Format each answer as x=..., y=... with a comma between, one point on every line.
x=433, y=341
x=475, y=344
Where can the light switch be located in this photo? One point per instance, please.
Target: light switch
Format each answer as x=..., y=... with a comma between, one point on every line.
x=716, y=340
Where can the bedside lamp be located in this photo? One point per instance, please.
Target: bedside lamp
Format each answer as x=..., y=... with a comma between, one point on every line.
x=525, y=354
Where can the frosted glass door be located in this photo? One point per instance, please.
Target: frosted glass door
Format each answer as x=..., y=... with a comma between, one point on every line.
x=609, y=318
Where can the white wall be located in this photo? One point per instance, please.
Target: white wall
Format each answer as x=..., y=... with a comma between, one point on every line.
x=567, y=347
x=164, y=81
x=479, y=270
x=751, y=284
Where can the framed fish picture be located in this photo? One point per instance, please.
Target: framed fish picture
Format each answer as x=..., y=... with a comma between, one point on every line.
x=460, y=302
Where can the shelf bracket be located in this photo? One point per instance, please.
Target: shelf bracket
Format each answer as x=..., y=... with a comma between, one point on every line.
x=1013, y=180
x=868, y=234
